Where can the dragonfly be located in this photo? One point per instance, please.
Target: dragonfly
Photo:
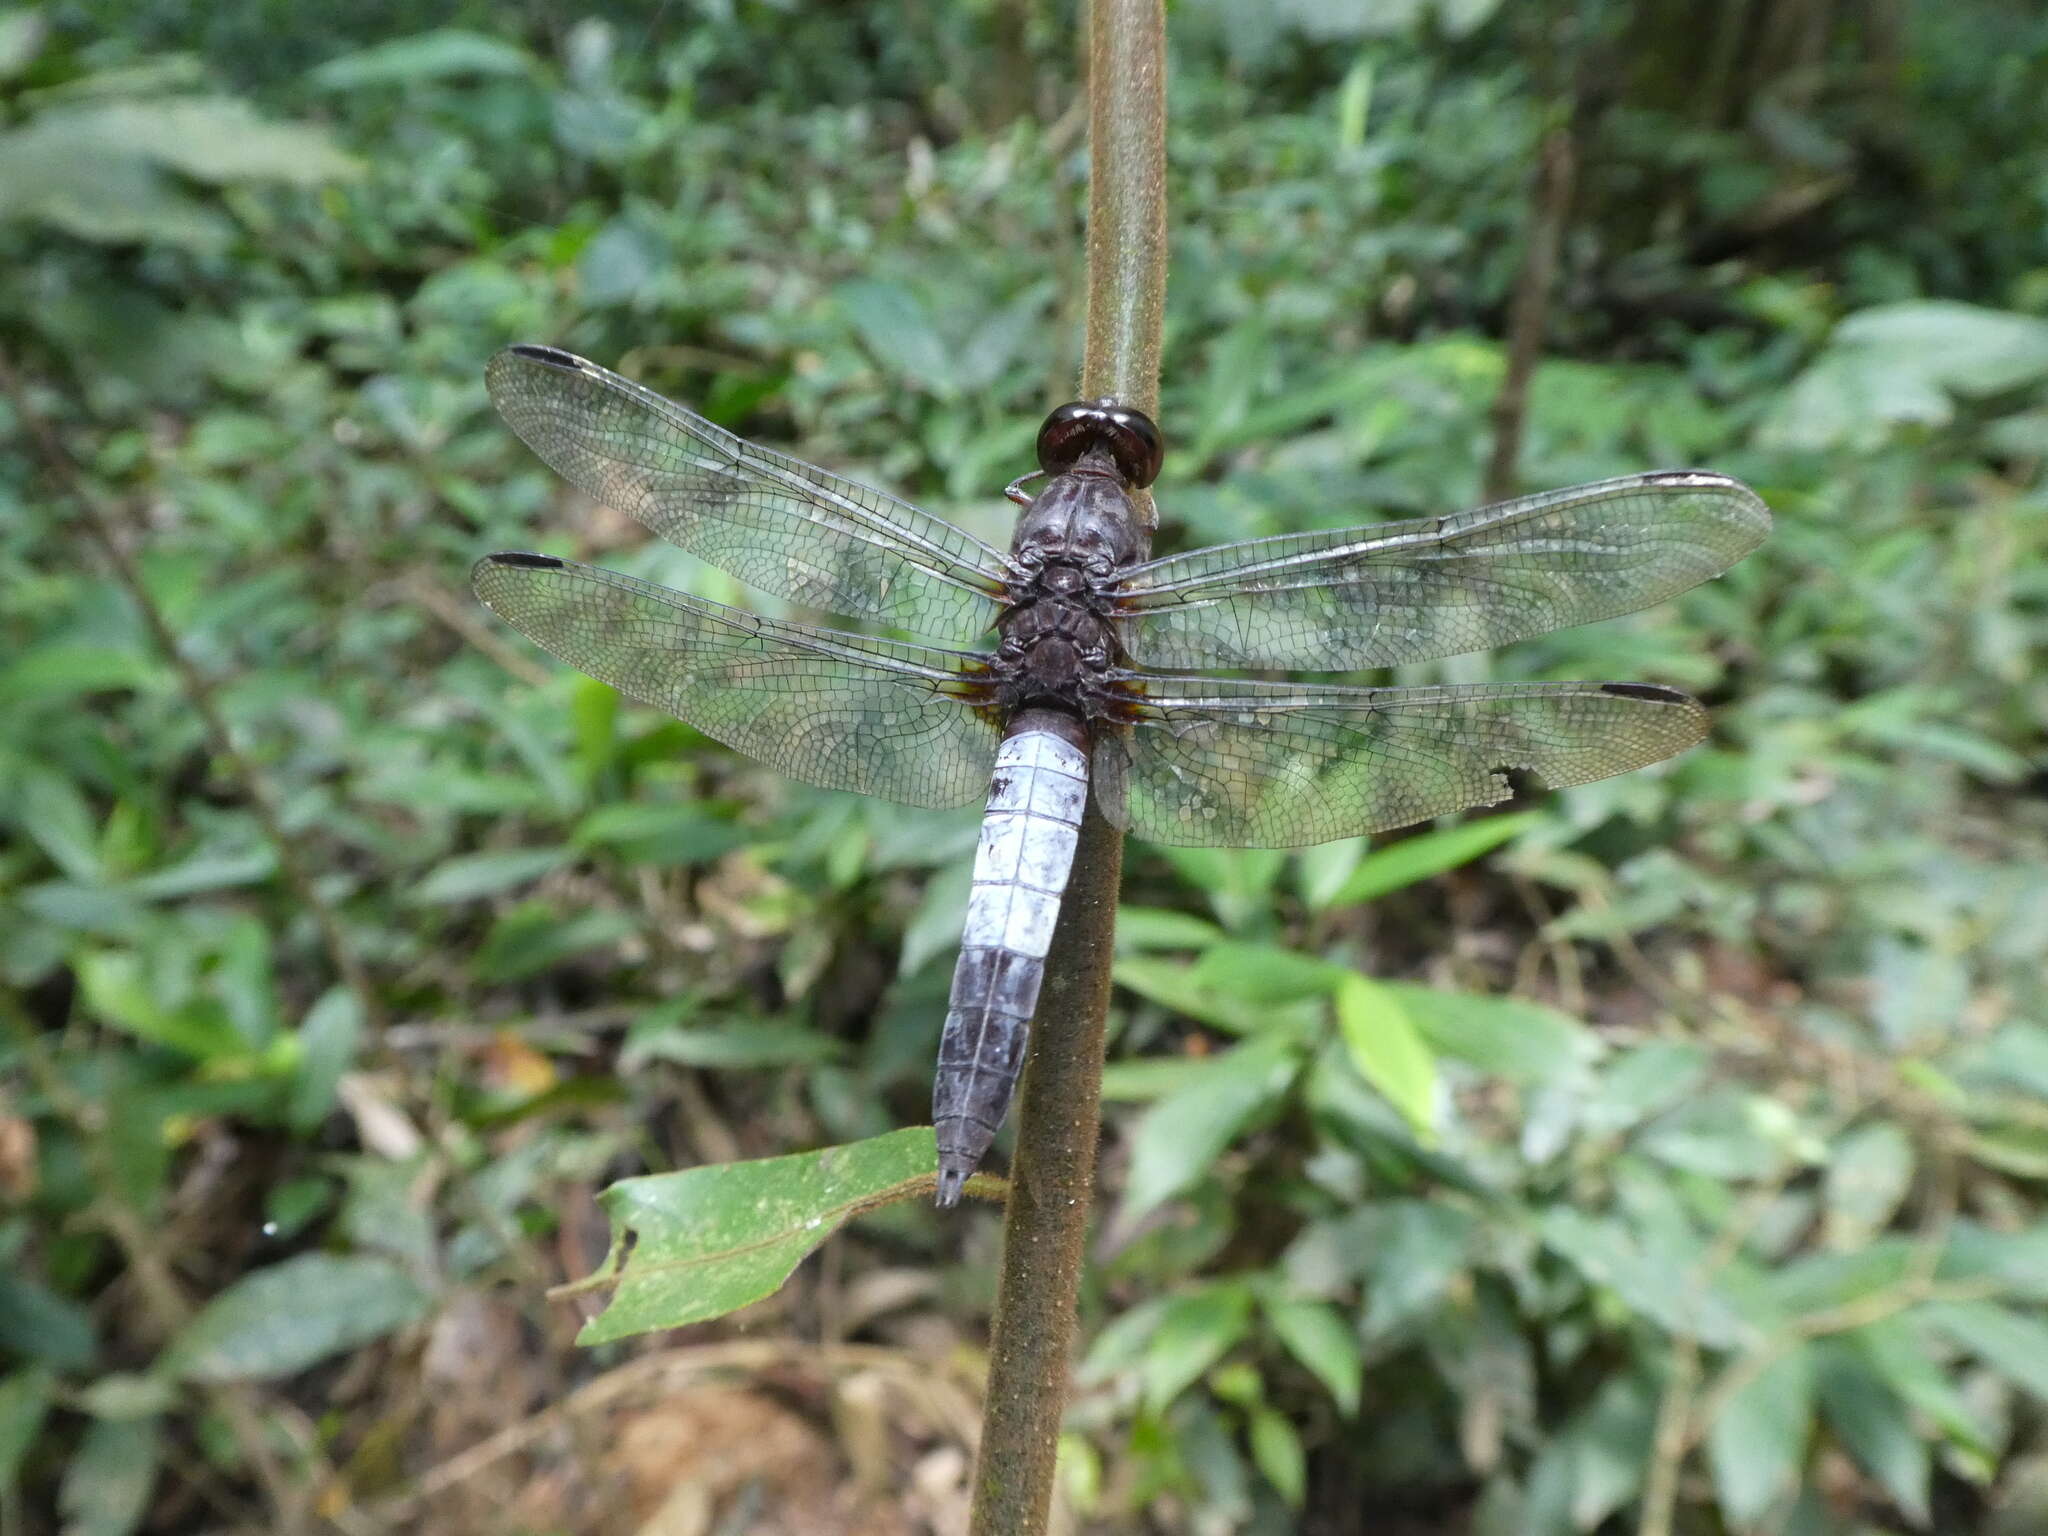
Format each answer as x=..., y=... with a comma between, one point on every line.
x=1073, y=665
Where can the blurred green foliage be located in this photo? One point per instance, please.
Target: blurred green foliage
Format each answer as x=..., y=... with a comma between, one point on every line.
x=1666, y=1156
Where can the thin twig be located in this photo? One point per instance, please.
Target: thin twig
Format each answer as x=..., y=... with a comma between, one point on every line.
x=1059, y=1107
x=103, y=523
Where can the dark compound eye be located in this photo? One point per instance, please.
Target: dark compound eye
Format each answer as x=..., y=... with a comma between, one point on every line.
x=1129, y=435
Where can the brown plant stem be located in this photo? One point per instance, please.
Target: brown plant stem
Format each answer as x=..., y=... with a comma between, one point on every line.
x=1549, y=203
x=1052, y=1179
x=102, y=522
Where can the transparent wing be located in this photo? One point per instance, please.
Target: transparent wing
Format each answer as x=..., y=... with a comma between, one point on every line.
x=1440, y=586
x=837, y=710
x=1220, y=762
x=775, y=522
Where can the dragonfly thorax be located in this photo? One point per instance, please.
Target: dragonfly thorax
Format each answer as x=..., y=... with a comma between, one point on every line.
x=1055, y=650
x=1082, y=518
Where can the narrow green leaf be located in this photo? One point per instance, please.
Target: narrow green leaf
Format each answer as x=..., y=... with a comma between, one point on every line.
x=118, y=992
x=1868, y=1173
x=443, y=54
x=1181, y=1136
x=1898, y=1351
x=1316, y=1334
x=106, y=1487
x=1383, y=1044
x=533, y=937
x=1264, y=974
x=1140, y=928
x=708, y=1241
x=53, y=812
x=1195, y=1331
x=25, y=1397
x=1174, y=985
x=1874, y=1426
x=486, y=874
x=1430, y=853
x=1320, y=872
x=1521, y=1041
x=1277, y=1452
x=276, y=1321
x=661, y=833
x=2014, y=1346
x=1756, y=1443
x=328, y=1039
x=51, y=673
x=741, y=1045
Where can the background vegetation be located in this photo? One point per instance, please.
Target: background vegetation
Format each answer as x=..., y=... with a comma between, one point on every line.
x=1664, y=1156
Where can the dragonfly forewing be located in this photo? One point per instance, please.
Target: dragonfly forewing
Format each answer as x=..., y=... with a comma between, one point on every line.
x=783, y=526
x=842, y=711
x=1339, y=600
x=1223, y=762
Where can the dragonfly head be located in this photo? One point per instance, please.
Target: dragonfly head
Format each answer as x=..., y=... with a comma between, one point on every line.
x=1127, y=435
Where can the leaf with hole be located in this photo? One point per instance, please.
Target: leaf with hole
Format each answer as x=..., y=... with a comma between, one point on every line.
x=703, y=1242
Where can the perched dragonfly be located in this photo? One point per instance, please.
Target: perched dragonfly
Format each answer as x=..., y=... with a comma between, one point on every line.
x=1091, y=678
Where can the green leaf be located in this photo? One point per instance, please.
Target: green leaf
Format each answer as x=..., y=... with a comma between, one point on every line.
x=54, y=673
x=38, y=1324
x=1868, y=1173
x=619, y=263
x=486, y=874
x=1239, y=882
x=1195, y=1331
x=1897, y=1350
x=1428, y=854
x=50, y=809
x=1383, y=1044
x=1521, y=1041
x=1179, y=1138
x=1660, y=1286
x=897, y=326
x=1277, y=1452
x=1609, y=1443
x=1321, y=872
x=25, y=1398
x=328, y=1039
x=534, y=937
x=1757, y=1442
x=1874, y=1426
x=708, y=1241
x=1264, y=975
x=129, y=1395
x=209, y=870
x=1174, y=985
x=277, y=1321
x=1898, y=364
x=106, y=1487
x=21, y=38
x=738, y=1046
x=1140, y=928
x=934, y=928
x=1420, y=1251
x=2013, y=1345
x=1316, y=1334
x=443, y=54
x=117, y=991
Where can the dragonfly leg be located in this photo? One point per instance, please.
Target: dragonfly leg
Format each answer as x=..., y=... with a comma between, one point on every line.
x=1015, y=489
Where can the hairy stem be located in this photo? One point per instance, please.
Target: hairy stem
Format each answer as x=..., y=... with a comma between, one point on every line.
x=1059, y=1112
